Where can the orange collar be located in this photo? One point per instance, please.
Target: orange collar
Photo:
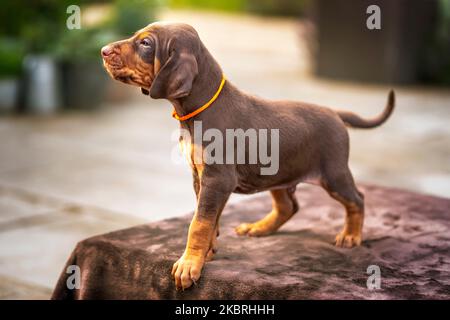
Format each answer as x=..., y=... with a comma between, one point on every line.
x=202, y=108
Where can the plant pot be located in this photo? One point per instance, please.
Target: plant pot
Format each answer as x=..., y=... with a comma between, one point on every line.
x=41, y=91
x=84, y=84
x=9, y=88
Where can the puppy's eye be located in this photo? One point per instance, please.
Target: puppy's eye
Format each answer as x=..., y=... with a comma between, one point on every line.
x=145, y=42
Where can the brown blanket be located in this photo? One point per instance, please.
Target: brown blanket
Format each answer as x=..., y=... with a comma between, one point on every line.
x=406, y=234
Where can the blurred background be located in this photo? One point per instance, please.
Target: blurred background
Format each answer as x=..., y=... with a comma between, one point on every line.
x=81, y=154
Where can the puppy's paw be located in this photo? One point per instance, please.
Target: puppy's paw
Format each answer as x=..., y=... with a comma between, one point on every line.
x=348, y=240
x=186, y=271
x=242, y=229
x=253, y=230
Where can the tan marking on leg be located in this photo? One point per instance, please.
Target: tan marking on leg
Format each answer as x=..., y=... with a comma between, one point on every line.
x=283, y=208
x=351, y=234
x=194, y=155
x=188, y=268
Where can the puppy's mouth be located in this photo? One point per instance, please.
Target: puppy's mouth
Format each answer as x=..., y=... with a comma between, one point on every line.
x=130, y=75
x=123, y=74
x=116, y=69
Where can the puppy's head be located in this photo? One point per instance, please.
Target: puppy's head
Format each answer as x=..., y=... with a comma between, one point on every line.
x=162, y=59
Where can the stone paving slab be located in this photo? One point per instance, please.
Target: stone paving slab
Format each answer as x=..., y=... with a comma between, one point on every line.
x=13, y=289
x=35, y=252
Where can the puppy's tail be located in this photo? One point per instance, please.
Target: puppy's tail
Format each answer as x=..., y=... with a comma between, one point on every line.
x=353, y=120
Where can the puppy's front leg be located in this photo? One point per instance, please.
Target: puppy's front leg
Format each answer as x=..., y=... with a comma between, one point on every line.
x=211, y=200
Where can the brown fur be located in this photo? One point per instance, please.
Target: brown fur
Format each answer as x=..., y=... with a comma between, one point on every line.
x=314, y=143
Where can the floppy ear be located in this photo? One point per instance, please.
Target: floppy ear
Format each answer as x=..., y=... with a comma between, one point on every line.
x=174, y=79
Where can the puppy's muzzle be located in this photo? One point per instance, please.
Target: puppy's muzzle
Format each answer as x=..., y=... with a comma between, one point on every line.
x=111, y=58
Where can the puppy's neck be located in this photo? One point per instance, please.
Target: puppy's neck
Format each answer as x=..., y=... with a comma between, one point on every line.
x=204, y=86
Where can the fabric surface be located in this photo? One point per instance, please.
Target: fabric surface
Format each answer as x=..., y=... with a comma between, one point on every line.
x=406, y=235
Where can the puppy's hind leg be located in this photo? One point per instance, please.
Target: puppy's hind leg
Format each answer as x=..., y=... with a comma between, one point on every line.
x=284, y=205
x=341, y=187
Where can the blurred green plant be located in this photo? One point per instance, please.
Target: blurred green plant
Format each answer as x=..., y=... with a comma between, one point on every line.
x=264, y=7
x=132, y=15
x=83, y=43
x=41, y=25
x=126, y=17
x=277, y=7
x=11, y=55
x=37, y=23
x=224, y=5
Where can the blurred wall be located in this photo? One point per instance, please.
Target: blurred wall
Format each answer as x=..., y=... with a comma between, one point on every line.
x=347, y=49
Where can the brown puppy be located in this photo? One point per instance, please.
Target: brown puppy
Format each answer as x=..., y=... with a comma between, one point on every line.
x=169, y=61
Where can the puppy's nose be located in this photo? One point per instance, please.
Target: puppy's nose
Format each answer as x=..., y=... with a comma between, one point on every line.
x=106, y=51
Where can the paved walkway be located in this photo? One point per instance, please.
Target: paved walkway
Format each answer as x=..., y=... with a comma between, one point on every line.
x=74, y=175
